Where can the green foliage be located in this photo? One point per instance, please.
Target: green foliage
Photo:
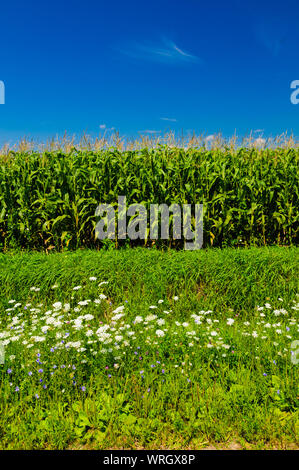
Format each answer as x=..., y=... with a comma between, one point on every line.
x=48, y=200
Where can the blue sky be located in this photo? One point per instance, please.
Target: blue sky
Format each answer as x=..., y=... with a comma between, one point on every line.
x=139, y=66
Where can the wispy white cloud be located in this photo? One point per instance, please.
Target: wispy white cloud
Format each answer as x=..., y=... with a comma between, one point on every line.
x=165, y=51
x=259, y=142
x=168, y=119
x=149, y=131
x=104, y=127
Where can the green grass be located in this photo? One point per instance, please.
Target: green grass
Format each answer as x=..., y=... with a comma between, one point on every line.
x=237, y=385
x=240, y=279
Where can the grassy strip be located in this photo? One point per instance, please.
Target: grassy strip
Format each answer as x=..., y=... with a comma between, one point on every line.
x=239, y=279
x=219, y=371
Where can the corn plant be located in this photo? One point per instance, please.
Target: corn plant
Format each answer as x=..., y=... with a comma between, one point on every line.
x=48, y=199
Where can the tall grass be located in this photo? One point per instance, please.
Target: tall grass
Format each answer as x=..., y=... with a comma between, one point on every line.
x=239, y=279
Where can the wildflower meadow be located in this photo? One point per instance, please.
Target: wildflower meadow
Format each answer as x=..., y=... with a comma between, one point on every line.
x=147, y=349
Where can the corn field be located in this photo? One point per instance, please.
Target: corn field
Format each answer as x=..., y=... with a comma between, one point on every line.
x=48, y=198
